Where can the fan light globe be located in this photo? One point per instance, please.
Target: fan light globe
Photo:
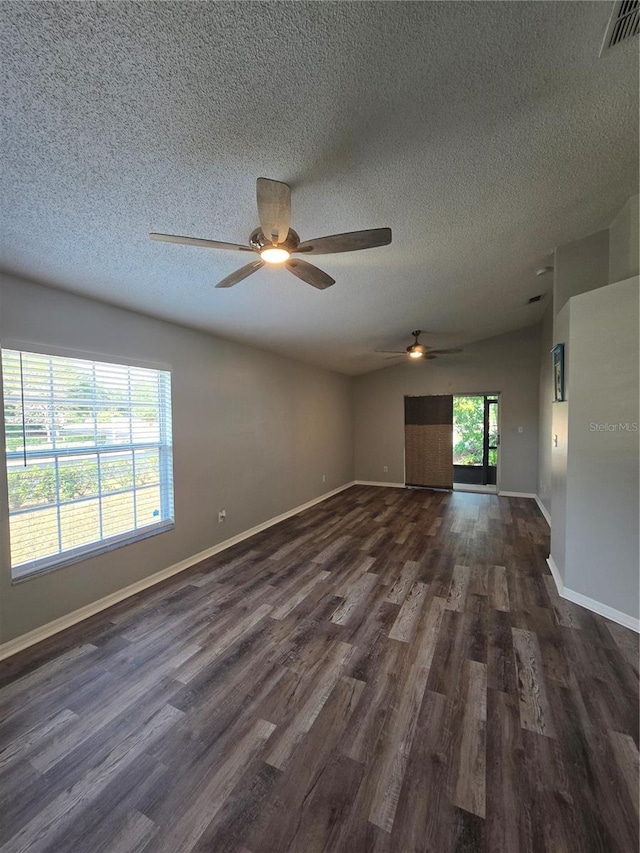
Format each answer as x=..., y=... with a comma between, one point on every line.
x=275, y=241
x=415, y=354
x=274, y=255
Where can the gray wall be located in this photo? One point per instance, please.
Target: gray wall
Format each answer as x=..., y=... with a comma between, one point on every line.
x=624, y=235
x=253, y=433
x=508, y=364
x=559, y=442
x=545, y=405
x=601, y=559
x=580, y=266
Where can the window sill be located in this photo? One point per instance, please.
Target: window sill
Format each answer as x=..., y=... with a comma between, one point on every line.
x=24, y=573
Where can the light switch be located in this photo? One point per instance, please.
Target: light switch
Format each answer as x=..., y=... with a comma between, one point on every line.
x=520, y=429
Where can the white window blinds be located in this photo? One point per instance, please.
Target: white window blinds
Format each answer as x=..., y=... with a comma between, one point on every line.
x=89, y=456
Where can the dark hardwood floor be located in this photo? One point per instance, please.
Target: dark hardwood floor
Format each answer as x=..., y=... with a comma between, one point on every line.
x=389, y=671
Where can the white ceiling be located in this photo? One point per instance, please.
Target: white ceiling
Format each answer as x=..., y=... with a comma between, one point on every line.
x=483, y=134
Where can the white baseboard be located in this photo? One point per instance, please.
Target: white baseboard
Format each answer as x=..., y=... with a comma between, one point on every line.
x=16, y=645
x=544, y=511
x=555, y=572
x=590, y=603
x=517, y=495
x=602, y=609
x=372, y=483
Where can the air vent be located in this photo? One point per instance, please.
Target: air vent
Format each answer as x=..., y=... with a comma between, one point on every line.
x=536, y=298
x=623, y=24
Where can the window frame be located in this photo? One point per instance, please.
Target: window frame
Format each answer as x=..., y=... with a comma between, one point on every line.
x=44, y=565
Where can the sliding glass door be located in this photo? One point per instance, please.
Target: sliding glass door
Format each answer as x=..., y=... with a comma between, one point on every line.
x=475, y=439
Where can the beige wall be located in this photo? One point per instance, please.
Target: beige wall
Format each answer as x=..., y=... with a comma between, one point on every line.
x=253, y=433
x=508, y=364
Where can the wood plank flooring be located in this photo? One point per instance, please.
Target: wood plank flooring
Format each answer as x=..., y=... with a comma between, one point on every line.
x=391, y=671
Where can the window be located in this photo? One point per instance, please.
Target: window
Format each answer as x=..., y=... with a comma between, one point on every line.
x=89, y=458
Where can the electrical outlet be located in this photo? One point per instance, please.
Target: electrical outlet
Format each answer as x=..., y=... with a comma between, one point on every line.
x=324, y=478
x=222, y=516
x=520, y=429
x=386, y=469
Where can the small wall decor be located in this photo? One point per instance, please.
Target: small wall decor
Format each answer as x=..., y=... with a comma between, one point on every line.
x=558, y=373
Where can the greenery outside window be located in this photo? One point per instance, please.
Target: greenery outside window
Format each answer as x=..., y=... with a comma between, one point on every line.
x=468, y=430
x=88, y=454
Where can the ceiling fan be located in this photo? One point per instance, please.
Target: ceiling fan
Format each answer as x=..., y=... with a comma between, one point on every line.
x=417, y=350
x=276, y=242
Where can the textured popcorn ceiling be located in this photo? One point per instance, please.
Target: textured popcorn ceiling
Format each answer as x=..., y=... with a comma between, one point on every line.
x=483, y=134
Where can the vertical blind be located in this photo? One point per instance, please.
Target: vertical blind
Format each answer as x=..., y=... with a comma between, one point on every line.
x=89, y=456
x=428, y=437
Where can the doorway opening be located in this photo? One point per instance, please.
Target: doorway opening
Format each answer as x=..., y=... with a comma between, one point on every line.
x=476, y=440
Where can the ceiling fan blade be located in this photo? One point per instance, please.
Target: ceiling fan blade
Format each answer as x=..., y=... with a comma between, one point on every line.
x=243, y=272
x=352, y=241
x=274, y=209
x=442, y=351
x=307, y=272
x=197, y=241
x=394, y=351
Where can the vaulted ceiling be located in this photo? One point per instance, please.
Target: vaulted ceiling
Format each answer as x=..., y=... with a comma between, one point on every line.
x=483, y=134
